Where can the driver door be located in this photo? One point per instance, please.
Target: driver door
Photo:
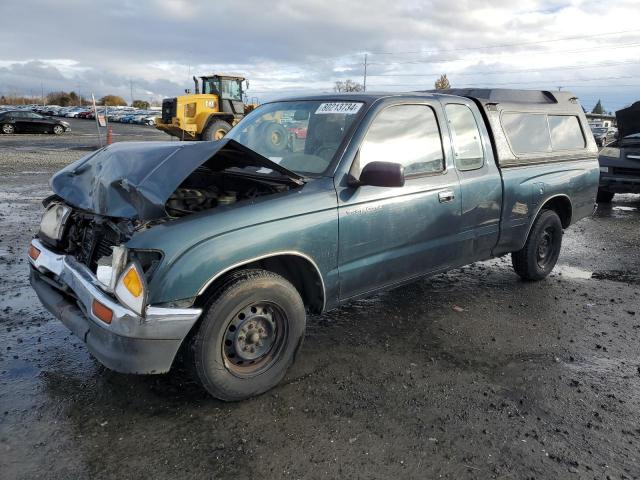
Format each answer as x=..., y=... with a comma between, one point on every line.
x=390, y=234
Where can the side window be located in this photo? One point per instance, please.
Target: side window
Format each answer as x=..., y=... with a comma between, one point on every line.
x=527, y=132
x=405, y=134
x=566, y=133
x=467, y=145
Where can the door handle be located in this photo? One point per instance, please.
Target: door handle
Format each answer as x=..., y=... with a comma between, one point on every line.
x=446, y=196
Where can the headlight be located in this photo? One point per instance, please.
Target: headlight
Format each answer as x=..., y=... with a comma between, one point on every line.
x=131, y=288
x=109, y=268
x=604, y=169
x=54, y=220
x=610, y=152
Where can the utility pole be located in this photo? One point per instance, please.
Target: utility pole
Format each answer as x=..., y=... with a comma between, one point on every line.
x=364, y=82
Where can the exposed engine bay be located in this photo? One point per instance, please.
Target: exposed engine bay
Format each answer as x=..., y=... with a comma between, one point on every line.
x=103, y=199
x=205, y=189
x=90, y=237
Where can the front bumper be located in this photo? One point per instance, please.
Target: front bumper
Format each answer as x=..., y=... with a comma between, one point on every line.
x=130, y=343
x=620, y=183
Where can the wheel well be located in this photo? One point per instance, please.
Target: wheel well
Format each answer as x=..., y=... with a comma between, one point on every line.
x=562, y=206
x=301, y=272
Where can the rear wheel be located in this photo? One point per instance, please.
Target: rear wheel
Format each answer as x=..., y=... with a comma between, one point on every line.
x=250, y=333
x=58, y=129
x=604, y=196
x=8, y=128
x=542, y=249
x=215, y=131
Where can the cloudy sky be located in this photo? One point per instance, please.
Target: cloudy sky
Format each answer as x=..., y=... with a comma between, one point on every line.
x=284, y=46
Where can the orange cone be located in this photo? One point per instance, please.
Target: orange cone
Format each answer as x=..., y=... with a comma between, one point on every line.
x=109, y=135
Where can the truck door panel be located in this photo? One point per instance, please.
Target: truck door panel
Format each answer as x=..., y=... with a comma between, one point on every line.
x=387, y=235
x=480, y=181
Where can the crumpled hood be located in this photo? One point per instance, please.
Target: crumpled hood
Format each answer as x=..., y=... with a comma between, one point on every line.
x=135, y=179
x=629, y=120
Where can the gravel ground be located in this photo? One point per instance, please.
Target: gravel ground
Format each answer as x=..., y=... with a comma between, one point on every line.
x=471, y=374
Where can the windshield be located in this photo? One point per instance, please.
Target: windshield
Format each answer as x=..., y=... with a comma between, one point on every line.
x=599, y=130
x=231, y=90
x=228, y=89
x=301, y=136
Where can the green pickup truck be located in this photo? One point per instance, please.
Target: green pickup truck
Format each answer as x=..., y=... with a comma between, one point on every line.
x=218, y=250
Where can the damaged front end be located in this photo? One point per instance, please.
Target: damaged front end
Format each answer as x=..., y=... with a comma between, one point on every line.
x=101, y=201
x=82, y=269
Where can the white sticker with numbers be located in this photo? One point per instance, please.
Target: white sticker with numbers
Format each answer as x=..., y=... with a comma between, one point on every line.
x=339, y=107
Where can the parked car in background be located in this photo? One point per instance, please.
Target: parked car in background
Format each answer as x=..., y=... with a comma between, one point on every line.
x=220, y=248
x=620, y=160
x=603, y=135
x=30, y=122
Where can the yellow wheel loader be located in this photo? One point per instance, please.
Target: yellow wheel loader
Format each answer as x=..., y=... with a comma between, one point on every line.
x=209, y=113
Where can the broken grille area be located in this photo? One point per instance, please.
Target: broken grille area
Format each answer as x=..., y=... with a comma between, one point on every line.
x=90, y=238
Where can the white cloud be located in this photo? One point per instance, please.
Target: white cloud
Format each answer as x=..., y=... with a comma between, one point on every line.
x=288, y=45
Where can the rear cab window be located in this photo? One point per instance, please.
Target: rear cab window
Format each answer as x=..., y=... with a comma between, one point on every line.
x=408, y=135
x=465, y=136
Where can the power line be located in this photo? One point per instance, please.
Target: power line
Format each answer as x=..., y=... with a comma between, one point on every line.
x=528, y=82
x=590, y=49
x=505, y=45
x=493, y=72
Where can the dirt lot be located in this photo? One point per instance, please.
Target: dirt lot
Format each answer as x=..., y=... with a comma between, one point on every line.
x=528, y=380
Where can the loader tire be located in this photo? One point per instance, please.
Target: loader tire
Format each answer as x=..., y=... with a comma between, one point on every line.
x=216, y=130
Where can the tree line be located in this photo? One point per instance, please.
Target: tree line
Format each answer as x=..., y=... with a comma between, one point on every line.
x=349, y=85
x=70, y=99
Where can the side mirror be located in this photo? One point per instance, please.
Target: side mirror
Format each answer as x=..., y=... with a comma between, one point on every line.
x=382, y=174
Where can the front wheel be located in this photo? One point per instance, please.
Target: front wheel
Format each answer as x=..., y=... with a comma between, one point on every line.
x=249, y=336
x=542, y=249
x=58, y=129
x=215, y=131
x=8, y=128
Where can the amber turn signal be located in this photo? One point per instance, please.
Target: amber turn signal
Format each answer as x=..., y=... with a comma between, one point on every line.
x=101, y=311
x=34, y=253
x=133, y=282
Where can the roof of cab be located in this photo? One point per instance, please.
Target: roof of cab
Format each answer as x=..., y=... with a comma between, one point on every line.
x=368, y=97
x=485, y=95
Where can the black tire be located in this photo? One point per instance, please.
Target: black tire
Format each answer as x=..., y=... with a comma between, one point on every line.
x=8, y=129
x=542, y=249
x=57, y=130
x=216, y=130
x=251, y=331
x=604, y=196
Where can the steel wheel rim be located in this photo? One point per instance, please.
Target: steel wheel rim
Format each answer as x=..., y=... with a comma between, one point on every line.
x=219, y=134
x=57, y=129
x=546, y=247
x=254, y=338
